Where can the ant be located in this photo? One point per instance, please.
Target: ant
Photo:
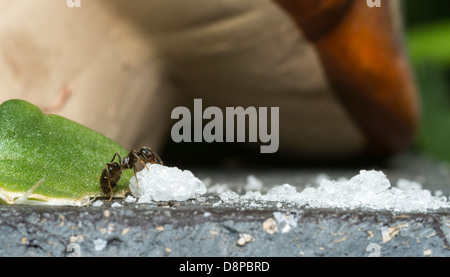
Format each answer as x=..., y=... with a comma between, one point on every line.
x=113, y=170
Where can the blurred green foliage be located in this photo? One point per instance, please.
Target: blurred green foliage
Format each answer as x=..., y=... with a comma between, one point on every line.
x=419, y=12
x=428, y=42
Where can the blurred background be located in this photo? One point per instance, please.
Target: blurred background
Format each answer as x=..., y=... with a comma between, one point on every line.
x=115, y=58
x=427, y=39
x=428, y=42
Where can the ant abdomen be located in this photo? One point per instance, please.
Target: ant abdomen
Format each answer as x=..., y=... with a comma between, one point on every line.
x=110, y=177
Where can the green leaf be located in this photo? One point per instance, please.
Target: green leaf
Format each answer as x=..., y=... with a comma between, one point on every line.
x=68, y=155
x=430, y=43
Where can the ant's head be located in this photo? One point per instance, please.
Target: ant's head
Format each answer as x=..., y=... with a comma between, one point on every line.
x=146, y=153
x=114, y=166
x=149, y=156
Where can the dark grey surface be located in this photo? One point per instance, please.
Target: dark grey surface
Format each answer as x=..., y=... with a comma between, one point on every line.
x=197, y=228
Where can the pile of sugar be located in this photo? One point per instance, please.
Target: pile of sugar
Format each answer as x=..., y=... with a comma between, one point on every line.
x=367, y=190
x=163, y=183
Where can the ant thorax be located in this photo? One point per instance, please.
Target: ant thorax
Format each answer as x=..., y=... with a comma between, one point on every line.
x=127, y=162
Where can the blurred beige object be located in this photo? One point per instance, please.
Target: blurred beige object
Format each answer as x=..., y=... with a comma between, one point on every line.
x=120, y=67
x=87, y=64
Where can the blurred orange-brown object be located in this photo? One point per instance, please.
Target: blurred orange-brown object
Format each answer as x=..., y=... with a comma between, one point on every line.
x=365, y=63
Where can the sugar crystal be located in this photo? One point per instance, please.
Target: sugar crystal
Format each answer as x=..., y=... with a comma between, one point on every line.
x=116, y=205
x=369, y=189
x=253, y=183
x=229, y=196
x=130, y=199
x=285, y=221
x=162, y=183
x=97, y=203
x=99, y=244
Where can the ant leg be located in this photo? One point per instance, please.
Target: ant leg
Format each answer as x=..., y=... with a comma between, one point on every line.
x=158, y=159
x=109, y=178
x=118, y=156
x=140, y=160
x=137, y=182
x=111, y=191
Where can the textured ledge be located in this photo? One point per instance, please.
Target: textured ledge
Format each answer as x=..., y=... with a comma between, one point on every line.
x=197, y=228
